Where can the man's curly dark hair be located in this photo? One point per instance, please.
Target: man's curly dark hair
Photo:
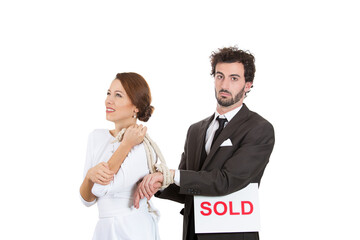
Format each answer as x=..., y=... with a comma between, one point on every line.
x=231, y=55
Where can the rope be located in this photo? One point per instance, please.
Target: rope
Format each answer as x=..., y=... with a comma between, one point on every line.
x=153, y=164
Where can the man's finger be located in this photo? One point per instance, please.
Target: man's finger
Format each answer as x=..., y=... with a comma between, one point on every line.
x=140, y=192
x=136, y=199
x=144, y=190
x=147, y=187
x=155, y=187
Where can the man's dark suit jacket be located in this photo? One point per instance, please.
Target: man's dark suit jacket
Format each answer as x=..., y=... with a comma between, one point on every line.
x=225, y=169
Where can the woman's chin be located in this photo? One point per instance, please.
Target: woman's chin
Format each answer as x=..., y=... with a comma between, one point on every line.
x=109, y=119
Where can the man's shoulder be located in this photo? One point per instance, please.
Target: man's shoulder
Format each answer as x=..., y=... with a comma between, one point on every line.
x=255, y=117
x=256, y=121
x=200, y=123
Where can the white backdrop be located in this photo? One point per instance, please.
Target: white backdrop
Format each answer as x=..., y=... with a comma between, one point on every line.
x=58, y=58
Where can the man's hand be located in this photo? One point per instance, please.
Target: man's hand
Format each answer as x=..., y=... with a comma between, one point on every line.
x=148, y=187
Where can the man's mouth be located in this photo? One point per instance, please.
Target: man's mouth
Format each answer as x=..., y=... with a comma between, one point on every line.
x=224, y=93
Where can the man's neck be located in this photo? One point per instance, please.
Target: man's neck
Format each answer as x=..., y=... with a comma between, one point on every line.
x=222, y=110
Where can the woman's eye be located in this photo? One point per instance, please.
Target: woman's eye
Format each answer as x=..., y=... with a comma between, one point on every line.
x=108, y=93
x=118, y=95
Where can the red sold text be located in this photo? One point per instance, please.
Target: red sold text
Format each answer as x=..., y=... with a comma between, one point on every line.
x=221, y=208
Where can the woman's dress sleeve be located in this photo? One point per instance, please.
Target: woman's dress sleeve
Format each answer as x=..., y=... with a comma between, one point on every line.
x=88, y=164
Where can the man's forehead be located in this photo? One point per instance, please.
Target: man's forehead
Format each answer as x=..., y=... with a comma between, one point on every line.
x=230, y=68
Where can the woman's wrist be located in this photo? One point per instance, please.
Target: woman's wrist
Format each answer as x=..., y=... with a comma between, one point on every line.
x=89, y=175
x=125, y=146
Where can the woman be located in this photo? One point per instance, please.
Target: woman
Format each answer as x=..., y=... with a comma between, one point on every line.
x=112, y=169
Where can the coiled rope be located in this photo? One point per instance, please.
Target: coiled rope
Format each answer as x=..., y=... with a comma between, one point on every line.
x=153, y=164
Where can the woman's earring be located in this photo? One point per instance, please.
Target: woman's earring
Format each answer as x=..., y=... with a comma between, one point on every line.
x=134, y=115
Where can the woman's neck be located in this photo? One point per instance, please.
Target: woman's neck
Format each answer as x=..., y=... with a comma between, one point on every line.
x=123, y=124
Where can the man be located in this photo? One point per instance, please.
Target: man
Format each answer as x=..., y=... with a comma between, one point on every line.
x=208, y=167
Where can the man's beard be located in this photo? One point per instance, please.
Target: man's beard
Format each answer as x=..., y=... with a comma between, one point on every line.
x=228, y=102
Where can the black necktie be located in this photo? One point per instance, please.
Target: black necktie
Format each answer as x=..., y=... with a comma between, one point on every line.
x=222, y=122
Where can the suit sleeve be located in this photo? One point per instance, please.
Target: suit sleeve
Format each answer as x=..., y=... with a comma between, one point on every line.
x=245, y=166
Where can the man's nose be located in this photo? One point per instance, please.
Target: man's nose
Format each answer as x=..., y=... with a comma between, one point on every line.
x=225, y=83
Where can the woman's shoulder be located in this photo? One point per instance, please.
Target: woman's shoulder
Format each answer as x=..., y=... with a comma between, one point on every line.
x=98, y=134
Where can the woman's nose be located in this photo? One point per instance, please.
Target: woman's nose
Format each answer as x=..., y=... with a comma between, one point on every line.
x=109, y=99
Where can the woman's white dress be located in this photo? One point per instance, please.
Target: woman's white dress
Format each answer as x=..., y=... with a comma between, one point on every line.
x=118, y=219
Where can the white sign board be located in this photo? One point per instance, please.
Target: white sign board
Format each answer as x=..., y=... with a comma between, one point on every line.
x=236, y=212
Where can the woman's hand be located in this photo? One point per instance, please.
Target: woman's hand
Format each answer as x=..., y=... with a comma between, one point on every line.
x=100, y=174
x=134, y=135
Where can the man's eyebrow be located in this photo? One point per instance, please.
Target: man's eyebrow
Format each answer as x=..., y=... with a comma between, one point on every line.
x=235, y=75
x=231, y=75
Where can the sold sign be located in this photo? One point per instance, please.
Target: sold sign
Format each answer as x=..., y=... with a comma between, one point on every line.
x=236, y=212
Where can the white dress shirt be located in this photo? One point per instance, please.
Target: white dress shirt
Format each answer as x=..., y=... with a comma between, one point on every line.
x=214, y=125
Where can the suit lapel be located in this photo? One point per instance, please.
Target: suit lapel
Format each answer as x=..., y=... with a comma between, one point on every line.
x=201, y=141
x=238, y=119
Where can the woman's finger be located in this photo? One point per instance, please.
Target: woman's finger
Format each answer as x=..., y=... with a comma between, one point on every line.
x=143, y=131
x=103, y=181
x=107, y=174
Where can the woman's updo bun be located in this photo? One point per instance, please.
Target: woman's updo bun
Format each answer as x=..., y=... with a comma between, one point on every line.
x=145, y=114
x=139, y=93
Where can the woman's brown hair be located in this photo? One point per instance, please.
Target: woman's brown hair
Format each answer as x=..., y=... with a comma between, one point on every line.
x=139, y=93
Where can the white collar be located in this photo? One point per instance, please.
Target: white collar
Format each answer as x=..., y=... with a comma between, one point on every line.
x=228, y=115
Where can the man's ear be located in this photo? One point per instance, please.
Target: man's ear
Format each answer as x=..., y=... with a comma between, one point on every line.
x=248, y=85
